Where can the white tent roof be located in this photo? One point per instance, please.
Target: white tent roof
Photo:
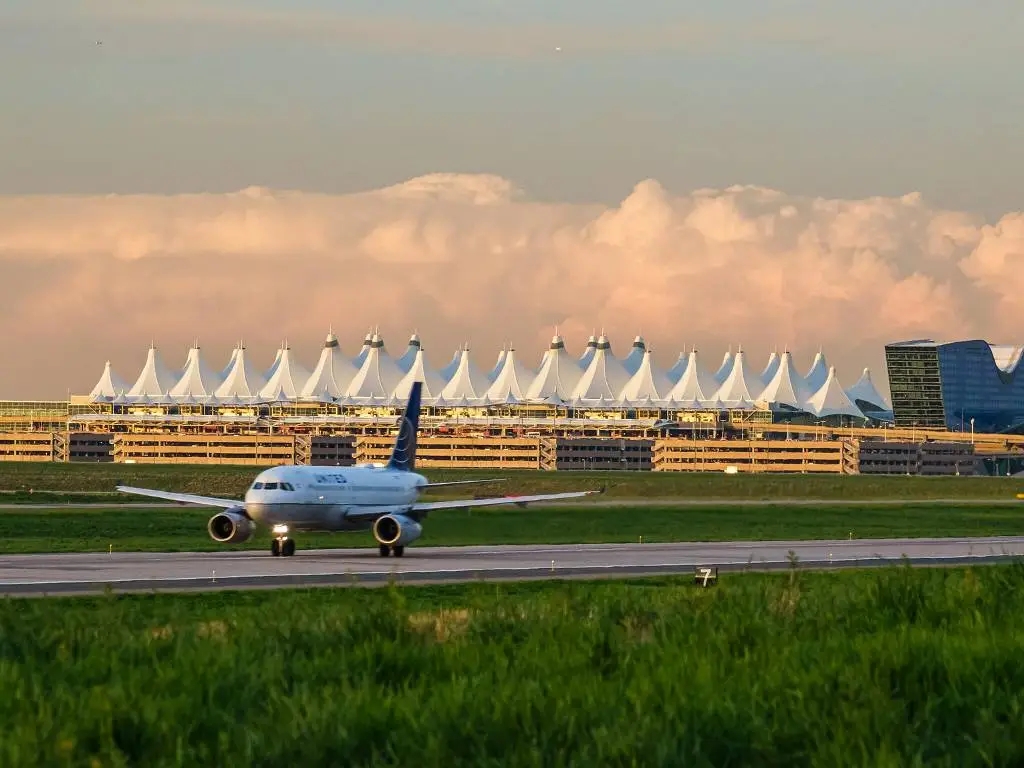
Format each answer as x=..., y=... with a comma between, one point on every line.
x=405, y=362
x=242, y=382
x=588, y=353
x=695, y=385
x=377, y=376
x=512, y=381
x=273, y=366
x=493, y=373
x=817, y=373
x=110, y=384
x=647, y=383
x=197, y=381
x=288, y=380
x=449, y=370
x=742, y=386
x=725, y=368
x=231, y=361
x=155, y=379
x=558, y=375
x=770, y=369
x=787, y=385
x=831, y=400
x=675, y=373
x=604, y=378
x=420, y=371
x=466, y=384
x=635, y=357
x=865, y=391
x=333, y=372
x=357, y=361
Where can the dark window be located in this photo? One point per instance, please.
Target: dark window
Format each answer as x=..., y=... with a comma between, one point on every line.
x=287, y=487
x=270, y=486
x=257, y=486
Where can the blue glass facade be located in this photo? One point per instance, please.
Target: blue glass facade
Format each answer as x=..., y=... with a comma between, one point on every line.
x=948, y=385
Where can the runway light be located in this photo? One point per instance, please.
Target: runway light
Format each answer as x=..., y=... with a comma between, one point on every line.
x=280, y=529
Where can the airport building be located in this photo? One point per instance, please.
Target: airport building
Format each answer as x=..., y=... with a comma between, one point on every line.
x=596, y=410
x=963, y=386
x=598, y=382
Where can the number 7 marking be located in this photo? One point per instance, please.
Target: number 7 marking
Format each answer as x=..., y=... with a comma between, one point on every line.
x=706, y=572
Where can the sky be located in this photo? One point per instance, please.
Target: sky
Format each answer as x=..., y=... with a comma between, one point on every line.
x=797, y=174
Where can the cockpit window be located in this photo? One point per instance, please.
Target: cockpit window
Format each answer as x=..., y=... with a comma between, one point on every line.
x=287, y=487
x=257, y=486
x=270, y=486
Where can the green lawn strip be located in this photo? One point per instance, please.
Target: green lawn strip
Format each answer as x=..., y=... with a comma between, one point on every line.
x=893, y=666
x=232, y=481
x=184, y=528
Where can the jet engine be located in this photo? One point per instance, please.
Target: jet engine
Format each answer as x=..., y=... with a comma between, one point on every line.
x=396, y=530
x=231, y=526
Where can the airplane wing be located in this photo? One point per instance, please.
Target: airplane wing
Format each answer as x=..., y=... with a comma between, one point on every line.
x=463, y=482
x=521, y=501
x=182, y=498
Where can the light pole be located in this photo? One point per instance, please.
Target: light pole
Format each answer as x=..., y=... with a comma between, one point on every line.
x=972, y=431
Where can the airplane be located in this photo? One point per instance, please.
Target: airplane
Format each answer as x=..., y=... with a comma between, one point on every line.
x=382, y=499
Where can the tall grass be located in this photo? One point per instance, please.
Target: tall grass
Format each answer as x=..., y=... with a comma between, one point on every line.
x=232, y=481
x=888, y=667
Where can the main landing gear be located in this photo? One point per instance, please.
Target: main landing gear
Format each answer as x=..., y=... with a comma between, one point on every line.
x=386, y=550
x=282, y=546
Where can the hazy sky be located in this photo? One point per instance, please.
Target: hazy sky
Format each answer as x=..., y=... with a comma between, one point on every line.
x=839, y=98
x=825, y=101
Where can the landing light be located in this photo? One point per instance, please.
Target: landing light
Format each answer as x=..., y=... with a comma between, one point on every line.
x=280, y=529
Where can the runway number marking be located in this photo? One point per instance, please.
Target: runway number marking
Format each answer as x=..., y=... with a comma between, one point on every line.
x=704, y=575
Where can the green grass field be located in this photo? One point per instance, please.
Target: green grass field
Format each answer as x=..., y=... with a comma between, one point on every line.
x=887, y=667
x=184, y=528
x=231, y=482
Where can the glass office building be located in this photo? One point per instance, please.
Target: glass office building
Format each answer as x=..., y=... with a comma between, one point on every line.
x=952, y=384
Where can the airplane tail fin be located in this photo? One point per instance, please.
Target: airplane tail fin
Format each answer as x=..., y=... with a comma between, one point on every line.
x=403, y=455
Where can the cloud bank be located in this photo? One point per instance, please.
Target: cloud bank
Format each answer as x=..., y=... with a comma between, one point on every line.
x=472, y=258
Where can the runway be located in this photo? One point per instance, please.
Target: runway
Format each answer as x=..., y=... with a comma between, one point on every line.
x=62, y=574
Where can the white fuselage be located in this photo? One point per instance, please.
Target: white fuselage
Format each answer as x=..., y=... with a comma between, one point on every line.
x=319, y=498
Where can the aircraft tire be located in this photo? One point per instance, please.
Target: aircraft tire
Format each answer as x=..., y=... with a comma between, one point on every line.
x=384, y=550
x=288, y=547
x=399, y=551
x=275, y=548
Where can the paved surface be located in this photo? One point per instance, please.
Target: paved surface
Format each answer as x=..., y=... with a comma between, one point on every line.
x=83, y=573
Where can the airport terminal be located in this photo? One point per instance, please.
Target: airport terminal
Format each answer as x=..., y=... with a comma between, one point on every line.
x=956, y=408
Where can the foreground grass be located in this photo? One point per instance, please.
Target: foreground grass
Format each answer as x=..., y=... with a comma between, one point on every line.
x=883, y=668
x=184, y=528
x=231, y=482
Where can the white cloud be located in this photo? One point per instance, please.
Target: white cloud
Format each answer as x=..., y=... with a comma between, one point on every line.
x=470, y=257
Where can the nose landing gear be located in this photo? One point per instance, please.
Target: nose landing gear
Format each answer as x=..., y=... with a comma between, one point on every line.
x=282, y=546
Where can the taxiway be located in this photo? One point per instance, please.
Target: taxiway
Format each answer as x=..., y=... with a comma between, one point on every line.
x=56, y=574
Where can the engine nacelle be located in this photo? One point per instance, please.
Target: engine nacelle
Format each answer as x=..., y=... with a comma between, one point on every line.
x=230, y=526
x=396, y=530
